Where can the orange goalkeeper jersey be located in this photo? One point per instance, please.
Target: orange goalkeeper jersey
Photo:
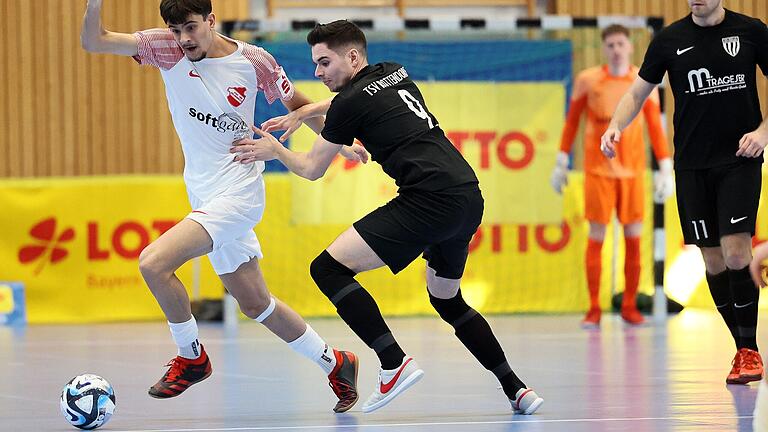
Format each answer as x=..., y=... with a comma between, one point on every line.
x=599, y=93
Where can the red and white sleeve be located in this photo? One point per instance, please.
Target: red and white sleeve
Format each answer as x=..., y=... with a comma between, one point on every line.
x=157, y=47
x=271, y=78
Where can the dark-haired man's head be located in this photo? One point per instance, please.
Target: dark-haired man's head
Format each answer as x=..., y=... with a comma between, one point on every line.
x=339, y=50
x=191, y=23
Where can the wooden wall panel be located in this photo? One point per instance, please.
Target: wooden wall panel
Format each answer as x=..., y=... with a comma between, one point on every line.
x=231, y=9
x=397, y=5
x=65, y=112
x=670, y=10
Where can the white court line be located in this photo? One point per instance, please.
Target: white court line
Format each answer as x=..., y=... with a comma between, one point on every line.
x=389, y=425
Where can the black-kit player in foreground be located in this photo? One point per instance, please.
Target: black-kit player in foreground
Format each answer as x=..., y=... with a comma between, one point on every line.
x=711, y=57
x=438, y=209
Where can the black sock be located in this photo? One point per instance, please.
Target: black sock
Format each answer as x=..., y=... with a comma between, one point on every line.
x=477, y=336
x=745, y=298
x=362, y=315
x=475, y=333
x=356, y=307
x=720, y=288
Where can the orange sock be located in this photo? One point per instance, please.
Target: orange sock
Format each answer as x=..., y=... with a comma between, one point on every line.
x=594, y=268
x=631, y=271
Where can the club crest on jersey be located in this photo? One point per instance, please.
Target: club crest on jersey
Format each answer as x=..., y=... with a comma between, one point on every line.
x=236, y=95
x=731, y=45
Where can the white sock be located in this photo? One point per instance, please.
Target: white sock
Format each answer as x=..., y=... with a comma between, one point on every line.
x=185, y=336
x=313, y=347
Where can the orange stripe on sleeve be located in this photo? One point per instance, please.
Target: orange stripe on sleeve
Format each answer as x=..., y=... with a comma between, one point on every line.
x=578, y=103
x=572, y=121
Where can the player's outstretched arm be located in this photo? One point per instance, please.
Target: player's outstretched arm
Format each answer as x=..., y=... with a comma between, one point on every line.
x=298, y=114
x=303, y=111
x=298, y=101
x=311, y=165
x=628, y=108
x=94, y=38
x=663, y=180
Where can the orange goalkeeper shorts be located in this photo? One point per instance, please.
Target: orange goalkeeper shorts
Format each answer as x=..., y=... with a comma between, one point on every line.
x=604, y=194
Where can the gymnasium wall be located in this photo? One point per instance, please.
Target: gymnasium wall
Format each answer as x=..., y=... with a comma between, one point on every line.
x=69, y=113
x=65, y=112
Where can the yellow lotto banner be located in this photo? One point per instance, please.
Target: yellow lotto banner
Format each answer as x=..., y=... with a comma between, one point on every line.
x=74, y=244
x=511, y=268
x=509, y=133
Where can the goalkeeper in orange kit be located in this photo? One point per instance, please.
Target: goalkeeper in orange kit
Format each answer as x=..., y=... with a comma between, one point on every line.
x=613, y=183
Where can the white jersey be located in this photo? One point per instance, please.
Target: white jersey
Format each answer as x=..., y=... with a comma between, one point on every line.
x=212, y=103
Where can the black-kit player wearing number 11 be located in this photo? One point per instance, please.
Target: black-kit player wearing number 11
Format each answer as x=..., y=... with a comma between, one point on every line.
x=711, y=57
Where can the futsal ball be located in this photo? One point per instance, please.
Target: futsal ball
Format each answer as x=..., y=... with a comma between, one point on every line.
x=87, y=401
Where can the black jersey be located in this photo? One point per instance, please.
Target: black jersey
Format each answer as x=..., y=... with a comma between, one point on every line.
x=382, y=107
x=712, y=74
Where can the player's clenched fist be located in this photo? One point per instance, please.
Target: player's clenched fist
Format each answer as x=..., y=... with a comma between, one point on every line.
x=608, y=142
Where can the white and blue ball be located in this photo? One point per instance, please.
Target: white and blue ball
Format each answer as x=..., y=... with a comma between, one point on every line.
x=87, y=401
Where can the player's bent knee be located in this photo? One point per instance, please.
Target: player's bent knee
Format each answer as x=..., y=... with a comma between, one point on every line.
x=455, y=311
x=334, y=279
x=444, y=288
x=737, y=262
x=713, y=260
x=440, y=286
x=150, y=265
x=259, y=311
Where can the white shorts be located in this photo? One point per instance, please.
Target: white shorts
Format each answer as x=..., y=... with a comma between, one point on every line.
x=229, y=219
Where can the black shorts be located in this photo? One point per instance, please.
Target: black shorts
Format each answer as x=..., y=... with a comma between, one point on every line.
x=438, y=224
x=718, y=201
